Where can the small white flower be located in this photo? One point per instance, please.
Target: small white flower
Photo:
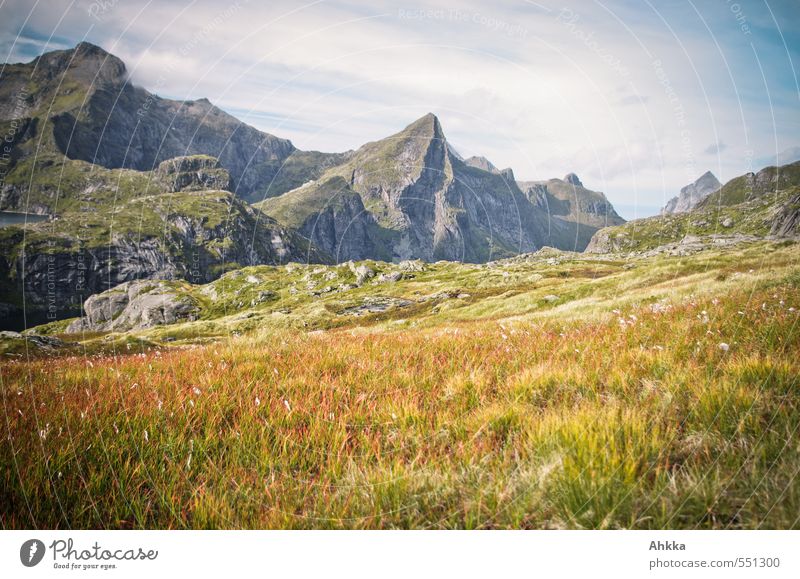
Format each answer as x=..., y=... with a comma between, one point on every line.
x=258, y=401
x=196, y=391
x=724, y=347
x=146, y=436
x=288, y=407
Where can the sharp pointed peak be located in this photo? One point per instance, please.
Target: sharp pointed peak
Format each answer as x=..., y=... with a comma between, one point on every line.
x=429, y=121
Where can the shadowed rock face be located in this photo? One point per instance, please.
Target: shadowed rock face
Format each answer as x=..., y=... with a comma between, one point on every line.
x=693, y=194
x=786, y=222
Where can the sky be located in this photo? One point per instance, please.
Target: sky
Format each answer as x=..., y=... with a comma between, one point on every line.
x=637, y=97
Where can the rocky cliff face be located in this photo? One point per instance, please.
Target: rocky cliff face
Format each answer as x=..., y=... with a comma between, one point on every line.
x=693, y=194
x=786, y=222
x=194, y=173
x=330, y=214
x=579, y=211
x=121, y=226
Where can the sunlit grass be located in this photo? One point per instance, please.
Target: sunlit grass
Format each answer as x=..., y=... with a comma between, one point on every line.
x=633, y=418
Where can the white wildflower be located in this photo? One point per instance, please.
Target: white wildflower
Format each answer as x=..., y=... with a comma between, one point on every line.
x=286, y=403
x=258, y=401
x=146, y=436
x=724, y=347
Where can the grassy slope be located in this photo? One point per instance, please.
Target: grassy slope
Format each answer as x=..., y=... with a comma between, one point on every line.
x=297, y=206
x=750, y=201
x=751, y=217
x=611, y=405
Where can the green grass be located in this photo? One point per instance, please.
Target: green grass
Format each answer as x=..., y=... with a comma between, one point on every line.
x=612, y=406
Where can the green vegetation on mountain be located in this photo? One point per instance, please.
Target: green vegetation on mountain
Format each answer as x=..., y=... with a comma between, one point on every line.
x=756, y=204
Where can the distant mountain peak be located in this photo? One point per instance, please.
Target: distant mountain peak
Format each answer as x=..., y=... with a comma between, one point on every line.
x=572, y=179
x=693, y=193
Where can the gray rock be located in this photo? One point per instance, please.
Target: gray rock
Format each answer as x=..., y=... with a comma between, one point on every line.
x=362, y=273
x=194, y=173
x=786, y=222
x=392, y=277
x=133, y=306
x=36, y=340
x=693, y=194
x=727, y=222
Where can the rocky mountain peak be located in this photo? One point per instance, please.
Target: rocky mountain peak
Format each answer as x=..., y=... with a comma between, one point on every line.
x=693, y=193
x=426, y=126
x=87, y=63
x=572, y=179
x=481, y=163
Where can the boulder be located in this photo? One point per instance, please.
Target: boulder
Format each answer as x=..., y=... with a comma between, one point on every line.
x=134, y=305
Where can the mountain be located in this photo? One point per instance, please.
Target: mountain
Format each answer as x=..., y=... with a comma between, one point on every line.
x=749, y=207
x=410, y=196
x=693, y=194
x=578, y=210
x=80, y=103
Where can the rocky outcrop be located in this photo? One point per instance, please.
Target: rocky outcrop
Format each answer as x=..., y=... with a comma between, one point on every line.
x=194, y=173
x=580, y=212
x=134, y=306
x=330, y=214
x=693, y=194
x=481, y=163
x=786, y=222
x=194, y=236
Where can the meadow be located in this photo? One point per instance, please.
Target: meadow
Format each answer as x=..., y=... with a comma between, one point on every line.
x=663, y=393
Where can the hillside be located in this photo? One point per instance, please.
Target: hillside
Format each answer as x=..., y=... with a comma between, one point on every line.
x=418, y=199
x=117, y=225
x=754, y=205
x=578, y=210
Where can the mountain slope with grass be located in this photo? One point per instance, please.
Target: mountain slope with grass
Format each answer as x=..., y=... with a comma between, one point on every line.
x=421, y=200
x=754, y=205
x=578, y=210
x=548, y=390
x=117, y=225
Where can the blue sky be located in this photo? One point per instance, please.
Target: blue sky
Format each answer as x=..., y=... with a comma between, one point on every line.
x=638, y=98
